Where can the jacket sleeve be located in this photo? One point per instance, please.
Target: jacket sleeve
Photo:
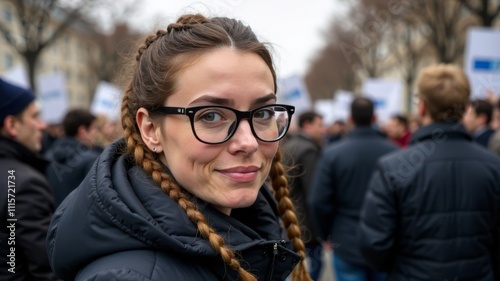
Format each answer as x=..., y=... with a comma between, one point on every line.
x=322, y=196
x=34, y=209
x=378, y=221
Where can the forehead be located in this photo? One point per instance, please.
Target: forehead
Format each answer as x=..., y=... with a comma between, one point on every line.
x=223, y=73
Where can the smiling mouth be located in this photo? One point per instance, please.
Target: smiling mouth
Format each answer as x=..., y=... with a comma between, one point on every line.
x=240, y=174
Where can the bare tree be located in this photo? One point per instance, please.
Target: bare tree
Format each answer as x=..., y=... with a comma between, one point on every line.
x=116, y=49
x=486, y=10
x=444, y=25
x=408, y=48
x=41, y=23
x=334, y=67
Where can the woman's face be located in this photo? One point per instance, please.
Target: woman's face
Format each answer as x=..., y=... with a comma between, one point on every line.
x=227, y=175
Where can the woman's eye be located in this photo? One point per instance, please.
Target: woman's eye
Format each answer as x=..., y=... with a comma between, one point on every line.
x=210, y=116
x=264, y=114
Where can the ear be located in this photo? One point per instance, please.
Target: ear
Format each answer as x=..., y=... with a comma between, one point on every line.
x=150, y=132
x=374, y=118
x=9, y=126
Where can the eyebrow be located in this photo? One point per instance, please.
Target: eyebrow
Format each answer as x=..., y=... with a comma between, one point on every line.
x=228, y=102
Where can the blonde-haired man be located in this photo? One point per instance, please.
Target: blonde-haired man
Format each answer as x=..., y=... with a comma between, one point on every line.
x=432, y=211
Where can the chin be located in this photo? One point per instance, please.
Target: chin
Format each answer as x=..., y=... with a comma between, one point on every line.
x=242, y=199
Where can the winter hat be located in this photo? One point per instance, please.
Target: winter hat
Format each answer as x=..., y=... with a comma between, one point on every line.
x=13, y=99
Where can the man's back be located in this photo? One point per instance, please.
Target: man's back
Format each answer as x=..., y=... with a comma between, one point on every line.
x=432, y=211
x=339, y=187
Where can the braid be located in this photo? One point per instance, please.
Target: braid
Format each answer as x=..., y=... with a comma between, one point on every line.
x=186, y=22
x=147, y=160
x=290, y=221
x=149, y=40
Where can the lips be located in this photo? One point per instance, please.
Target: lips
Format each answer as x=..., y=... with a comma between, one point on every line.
x=241, y=174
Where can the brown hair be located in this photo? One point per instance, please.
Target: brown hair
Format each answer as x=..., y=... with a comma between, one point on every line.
x=445, y=90
x=159, y=59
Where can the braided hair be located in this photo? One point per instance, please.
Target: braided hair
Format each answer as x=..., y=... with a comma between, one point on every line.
x=159, y=59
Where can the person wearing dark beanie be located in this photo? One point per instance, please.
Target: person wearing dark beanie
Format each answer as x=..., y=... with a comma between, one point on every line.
x=26, y=200
x=15, y=99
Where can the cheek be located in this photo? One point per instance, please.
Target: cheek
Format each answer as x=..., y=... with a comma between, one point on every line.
x=269, y=151
x=184, y=153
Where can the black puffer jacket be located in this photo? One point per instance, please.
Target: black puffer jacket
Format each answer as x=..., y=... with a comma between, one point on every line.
x=118, y=225
x=432, y=211
x=31, y=202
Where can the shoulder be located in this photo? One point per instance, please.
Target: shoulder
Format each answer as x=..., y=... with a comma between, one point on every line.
x=144, y=265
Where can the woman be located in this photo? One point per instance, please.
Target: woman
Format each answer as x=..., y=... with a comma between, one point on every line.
x=200, y=121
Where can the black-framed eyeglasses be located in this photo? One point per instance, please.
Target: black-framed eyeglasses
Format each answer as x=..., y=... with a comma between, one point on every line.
x=217, y=124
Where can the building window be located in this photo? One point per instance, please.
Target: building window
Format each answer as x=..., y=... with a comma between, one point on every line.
x=8, y=61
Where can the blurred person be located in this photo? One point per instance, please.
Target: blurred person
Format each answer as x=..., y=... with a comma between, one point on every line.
x=26, y=200
x=182, y=196
x=109, y=131
x=339, y=187
x=397, y=130
x=300, y=153
x=72, y=156
x=432, y=211
x=477, y=119
x=336, y=131
x=51, y=133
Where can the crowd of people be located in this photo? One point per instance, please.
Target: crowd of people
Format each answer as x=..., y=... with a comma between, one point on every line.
x=202, y=182
x=410, y=198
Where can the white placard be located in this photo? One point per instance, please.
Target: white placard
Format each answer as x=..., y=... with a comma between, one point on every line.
x=386, y=95
x=325, y=109
x=107, y=100
x=342, y=105
x=53, y=97
x=482, y=61
x=292, y=90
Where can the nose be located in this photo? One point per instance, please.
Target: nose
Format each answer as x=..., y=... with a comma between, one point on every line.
x=243, y=139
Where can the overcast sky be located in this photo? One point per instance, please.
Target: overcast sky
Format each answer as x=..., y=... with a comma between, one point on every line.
x=294, y=27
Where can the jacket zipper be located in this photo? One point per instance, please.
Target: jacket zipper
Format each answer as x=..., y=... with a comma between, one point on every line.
x=273, y=259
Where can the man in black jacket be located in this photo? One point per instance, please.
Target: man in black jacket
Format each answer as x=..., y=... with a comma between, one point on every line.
x=339, y=187
x=301, y=152
x=432, y=212
x=26, y=200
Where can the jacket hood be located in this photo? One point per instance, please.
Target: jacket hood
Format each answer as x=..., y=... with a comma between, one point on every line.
x=118, y=207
